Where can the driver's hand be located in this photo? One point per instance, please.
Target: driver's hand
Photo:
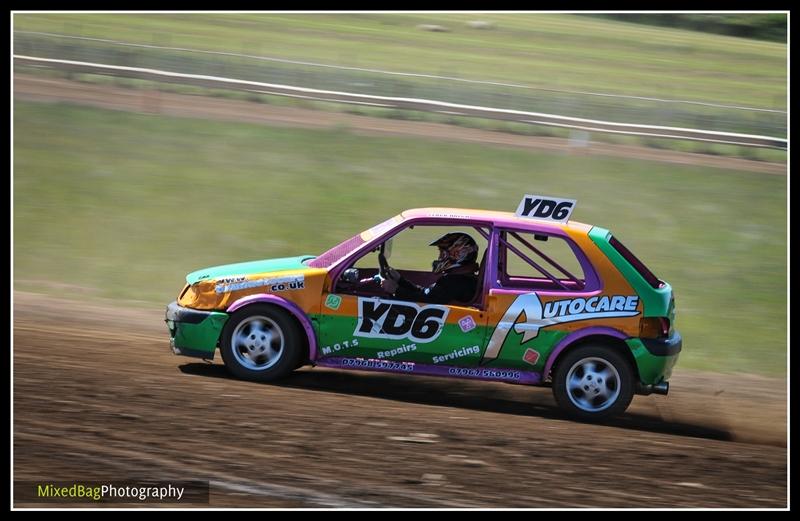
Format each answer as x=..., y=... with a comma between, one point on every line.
x=389, y=285
x=393, y=275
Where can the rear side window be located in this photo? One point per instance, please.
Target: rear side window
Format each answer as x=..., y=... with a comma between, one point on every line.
x=636, y=263
x=537, y=261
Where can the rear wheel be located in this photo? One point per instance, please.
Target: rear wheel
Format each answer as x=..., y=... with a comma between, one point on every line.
x=261, y=342
x=593, y=382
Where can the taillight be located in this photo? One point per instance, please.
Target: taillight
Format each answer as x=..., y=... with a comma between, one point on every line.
x=664, y=326
x=657, y=327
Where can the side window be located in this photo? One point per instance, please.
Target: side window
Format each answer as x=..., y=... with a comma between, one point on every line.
x=411, y=249
x=539, y=261
x=411, y=254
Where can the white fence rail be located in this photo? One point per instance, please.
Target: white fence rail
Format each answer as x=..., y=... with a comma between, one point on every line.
x=393, y=73
x=427, y=105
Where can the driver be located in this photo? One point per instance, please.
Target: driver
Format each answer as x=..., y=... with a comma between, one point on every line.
x=456, y=264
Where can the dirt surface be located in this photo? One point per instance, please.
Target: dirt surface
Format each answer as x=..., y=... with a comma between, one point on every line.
x=34, y=88
x=98, y=395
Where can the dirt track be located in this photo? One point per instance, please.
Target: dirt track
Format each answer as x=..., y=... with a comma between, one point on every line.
x=34, y=88
x=99, y=395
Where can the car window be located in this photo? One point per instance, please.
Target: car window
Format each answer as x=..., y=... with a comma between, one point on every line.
x=539, y=261
x=411, y=249
x=638, y=265
x=333, y=255
x=411, y=254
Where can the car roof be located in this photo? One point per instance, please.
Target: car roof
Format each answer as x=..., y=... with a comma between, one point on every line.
x=497, y=218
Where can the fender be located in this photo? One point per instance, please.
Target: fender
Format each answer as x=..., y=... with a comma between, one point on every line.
x=574, y=337
x=289, y=306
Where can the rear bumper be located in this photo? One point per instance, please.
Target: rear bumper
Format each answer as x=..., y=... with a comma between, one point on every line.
x=655, y=358
x=194, y=332
x=664, y=346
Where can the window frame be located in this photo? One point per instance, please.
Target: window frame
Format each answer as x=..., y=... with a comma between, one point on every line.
x=484, y=228
x=502, y=280
x=636, y=263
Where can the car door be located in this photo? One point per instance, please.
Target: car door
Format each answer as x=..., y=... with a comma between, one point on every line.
x=369, y=323
x=532, y=284
x=376, y=327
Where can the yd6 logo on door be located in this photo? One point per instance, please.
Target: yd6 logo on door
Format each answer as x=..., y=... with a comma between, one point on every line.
x=398, y=320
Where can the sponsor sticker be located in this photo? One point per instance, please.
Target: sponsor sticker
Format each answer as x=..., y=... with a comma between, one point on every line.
x=531, y=356
x=556, y=312
x=333, y=302
x=449, y=215
x=398, y=320
x=582, y=306
x=467, y=324
x=378, y=364
x=397, y=351
x=339, y=346
x=458, y=353
x=467, y=372
x=275, y=284
x=231, y=280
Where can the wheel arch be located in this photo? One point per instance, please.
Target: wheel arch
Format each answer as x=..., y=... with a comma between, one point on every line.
x=591, y=335
x=293, y=309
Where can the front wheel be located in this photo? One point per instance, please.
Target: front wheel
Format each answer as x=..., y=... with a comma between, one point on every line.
x=593, y=382
x=261, y=342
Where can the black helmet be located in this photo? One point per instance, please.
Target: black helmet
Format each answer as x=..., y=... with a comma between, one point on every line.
x=455, y=249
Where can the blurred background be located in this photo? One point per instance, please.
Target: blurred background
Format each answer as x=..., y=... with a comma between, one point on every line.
x=126, y=179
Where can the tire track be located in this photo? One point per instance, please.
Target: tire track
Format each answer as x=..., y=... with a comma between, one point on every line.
x=92, y=400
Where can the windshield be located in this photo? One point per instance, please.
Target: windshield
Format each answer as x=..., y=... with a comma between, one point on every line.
x=335, y=254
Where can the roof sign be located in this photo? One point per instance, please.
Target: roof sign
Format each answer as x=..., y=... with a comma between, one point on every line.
x=546, y=208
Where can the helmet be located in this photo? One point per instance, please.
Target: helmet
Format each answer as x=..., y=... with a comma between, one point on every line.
x=455, y=249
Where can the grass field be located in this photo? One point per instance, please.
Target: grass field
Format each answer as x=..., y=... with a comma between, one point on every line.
x=121, y=205
x=700, y=147
x=546, y=50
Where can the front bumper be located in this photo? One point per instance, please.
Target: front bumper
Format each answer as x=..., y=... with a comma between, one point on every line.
x=655, y=358
x=193, y=332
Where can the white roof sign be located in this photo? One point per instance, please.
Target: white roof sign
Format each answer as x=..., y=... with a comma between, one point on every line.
x=546, y=208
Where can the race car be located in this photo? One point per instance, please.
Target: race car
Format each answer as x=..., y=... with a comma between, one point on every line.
x=552, y=302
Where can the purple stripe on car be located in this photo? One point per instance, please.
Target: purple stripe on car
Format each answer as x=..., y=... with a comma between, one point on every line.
x=571, y=294
x=291, y=307
x=395, y=366
x=575, y=336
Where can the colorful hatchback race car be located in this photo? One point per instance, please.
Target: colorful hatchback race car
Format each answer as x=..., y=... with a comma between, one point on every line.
x=526, y=298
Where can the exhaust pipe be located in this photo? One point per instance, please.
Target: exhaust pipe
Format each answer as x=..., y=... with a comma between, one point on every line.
x=660, y=388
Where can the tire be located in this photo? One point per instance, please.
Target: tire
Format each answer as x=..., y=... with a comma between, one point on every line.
x=262, y=343
x=593, y=382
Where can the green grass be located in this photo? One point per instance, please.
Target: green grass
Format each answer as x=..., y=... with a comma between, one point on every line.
x=126, y=204
x=549, y=50
x=744, y=152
